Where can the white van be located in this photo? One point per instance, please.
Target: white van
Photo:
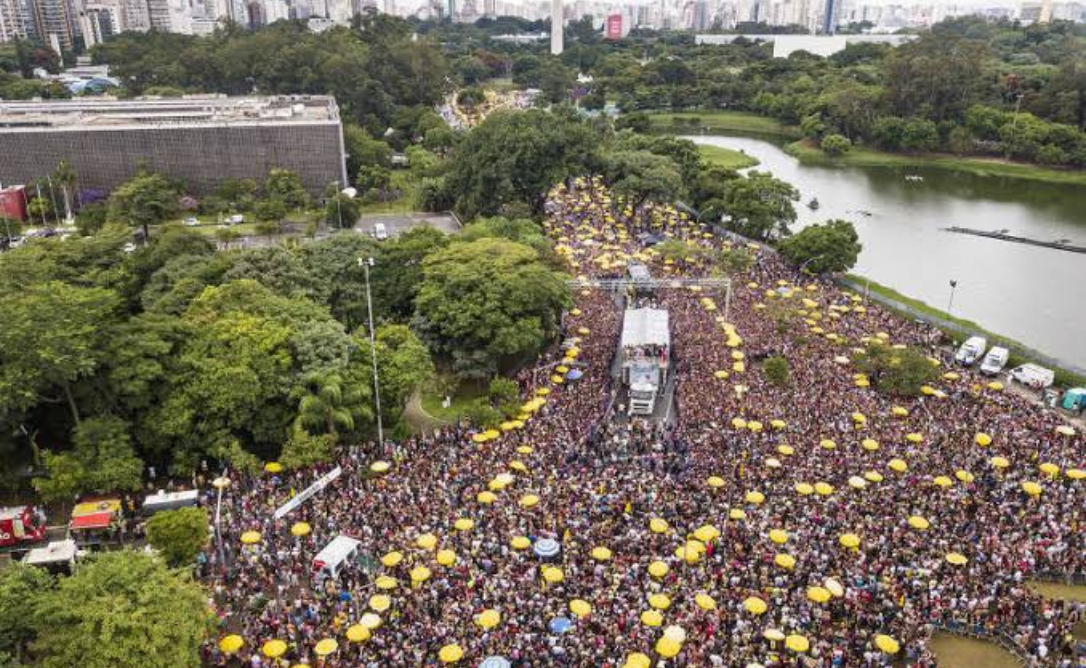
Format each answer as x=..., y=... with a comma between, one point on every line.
x=57, y=557
x=163, y=500
x=1033, y=375
x=995, y=360
x=380, y=232
x=971, y=351
x=335, y=554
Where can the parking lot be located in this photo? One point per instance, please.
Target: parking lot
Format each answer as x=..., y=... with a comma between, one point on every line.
x=397, y=223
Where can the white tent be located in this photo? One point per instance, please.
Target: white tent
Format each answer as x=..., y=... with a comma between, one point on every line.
x=645, y=327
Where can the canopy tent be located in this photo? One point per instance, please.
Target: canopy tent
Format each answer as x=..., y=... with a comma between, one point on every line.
x=645, y=327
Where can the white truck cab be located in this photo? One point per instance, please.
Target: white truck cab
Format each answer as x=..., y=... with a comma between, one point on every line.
x=994, y=361
x=971, y=351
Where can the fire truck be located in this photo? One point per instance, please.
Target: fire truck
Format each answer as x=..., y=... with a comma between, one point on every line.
x=21, y=524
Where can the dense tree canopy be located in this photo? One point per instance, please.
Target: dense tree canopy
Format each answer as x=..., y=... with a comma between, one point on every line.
x=830, y=247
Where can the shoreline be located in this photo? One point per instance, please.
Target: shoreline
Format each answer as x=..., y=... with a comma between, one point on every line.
x=711, y=122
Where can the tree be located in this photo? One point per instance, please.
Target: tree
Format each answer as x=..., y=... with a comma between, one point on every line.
x=397, y=274
x=342, y=211
x=364, y=150
x=279, y=269
x=373, y=177
x=52, y=336
x=640, y=175
x=759, y=206
x=517, y=157
x=328, y=402
x=937, y=77
x=121, y=610
x=896, y=371
x=830, y=247
x=835, y=145
x=102, y=461
x=178, y=535
x=270, y=210
x=403, y=363
x=21, y=588
x=777, y=370
x=487, y=301
x=145, y=200
x=285, y=186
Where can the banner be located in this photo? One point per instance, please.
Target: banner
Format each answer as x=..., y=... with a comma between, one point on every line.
x=301, y=498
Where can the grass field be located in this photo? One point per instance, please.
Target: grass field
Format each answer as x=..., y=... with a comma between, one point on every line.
x=432, y=398
x=727, y=121
x=726, y=157
x=1064, y=378
x=408, y=186
x=953, y=651
x=857, y=156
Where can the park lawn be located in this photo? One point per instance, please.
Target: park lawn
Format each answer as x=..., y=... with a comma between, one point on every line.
x=953, y=651
x=432, y=398
x=718, y=156
x=1064, y=378
x=721, y=120
x=408, y=185
x=859, y=156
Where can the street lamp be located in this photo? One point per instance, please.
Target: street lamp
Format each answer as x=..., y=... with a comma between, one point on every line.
x=220, y=483
x=366, y=264
x=950, y=304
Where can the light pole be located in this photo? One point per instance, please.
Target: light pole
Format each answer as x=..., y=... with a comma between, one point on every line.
x=366, y=264
x=950, y=304
x=220, y=483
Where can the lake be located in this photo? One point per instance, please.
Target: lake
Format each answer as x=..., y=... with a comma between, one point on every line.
x=1032, y=294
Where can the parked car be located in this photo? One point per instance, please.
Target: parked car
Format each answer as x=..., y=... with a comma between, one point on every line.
x=971, y=351
x=236, y=219
x=192, y=221
x=1033, y=375
x=995, y=360
x=380, y=232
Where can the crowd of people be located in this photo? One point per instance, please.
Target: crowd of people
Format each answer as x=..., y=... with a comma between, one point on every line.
x=767, y=523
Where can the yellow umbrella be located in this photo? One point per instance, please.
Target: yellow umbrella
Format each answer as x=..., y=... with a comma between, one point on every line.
x=420, y=574
x=873, y=476
x=870, y=444
x=464, y=524
x=957, y=558
x=705, y=601
x=652, y=618
x=999, y=462
x=856, y=482
x=553, y=574
x=1031, y=488
x=995, y=385
x=273, y=467
x=637, y=660
x=804, y=489
x=828, y=444
x=859, y=418
x=887, y=644
x=358, y=633
x=668, y=647
x=660, y=601
x=518, y=465
x=273, y=649
x=706, y=533
x=778, y=536
x=942, y=481
x=380, y=467
x=964, y=476
x=1065, y=430
x=982, y=439
x=786, y=450
x=392, y=558
x=898, y=411
x=919, y=523
x=823, y=488
x=524, y=449
x=657, y=525
x=426, y=541
x=529, y=501
x=914, y=438
x=658, y=569
x=326, y=647
x=755, y=605
x=369, y=621
x=818, y=594
x=898, y=465
x=1076, y=474
x=486, y=497
x=446, y=557
x=786, y=561
x=1048, y=468
x=601, y=553
x=580, y=607
x=739, y=423
x=488, y=619
x=849, y=540
x=736, y=514
x=778, y=424
x=797, y=643
x=380, y=602
x=755, y=498
x=300, y=529
x=715, y=482
x=521, y=543
x=250, y=537
x=385, y=583
x=450, y=654
x=231, y=644
x=834, y=587
x=773, y=635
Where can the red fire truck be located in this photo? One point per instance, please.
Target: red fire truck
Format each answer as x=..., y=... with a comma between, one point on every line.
x=21, y=524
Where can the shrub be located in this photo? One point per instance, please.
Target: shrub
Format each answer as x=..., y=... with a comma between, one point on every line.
x=835, y=145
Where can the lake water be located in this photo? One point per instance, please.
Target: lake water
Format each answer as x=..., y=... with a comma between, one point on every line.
x=1032, y=294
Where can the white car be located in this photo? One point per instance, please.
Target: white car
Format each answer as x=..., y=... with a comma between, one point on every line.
x=994, y=361
x=192, y=221
x=380, y=232
x=971, y=351
x=236, y=219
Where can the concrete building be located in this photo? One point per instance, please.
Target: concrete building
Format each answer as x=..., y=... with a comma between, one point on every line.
x=558, y=25
x=53, y=23
x=12, y=20
x=198, y=139
x=819, y=45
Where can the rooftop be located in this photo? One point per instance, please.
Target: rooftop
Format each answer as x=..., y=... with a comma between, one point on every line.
x=189, y=110
x=645, y=327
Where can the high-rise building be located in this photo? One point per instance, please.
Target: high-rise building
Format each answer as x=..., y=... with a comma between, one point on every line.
x=135, y=15
x=700, y=18
x=490, y=8
x=558, y=24
x=829, y=18
x=12, y=20
x=95, y=24
x=53, y=22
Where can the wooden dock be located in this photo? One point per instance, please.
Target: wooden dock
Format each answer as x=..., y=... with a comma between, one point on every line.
x=1003, y=236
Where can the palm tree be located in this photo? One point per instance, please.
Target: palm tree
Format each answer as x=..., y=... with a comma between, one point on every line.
x=329, y=403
